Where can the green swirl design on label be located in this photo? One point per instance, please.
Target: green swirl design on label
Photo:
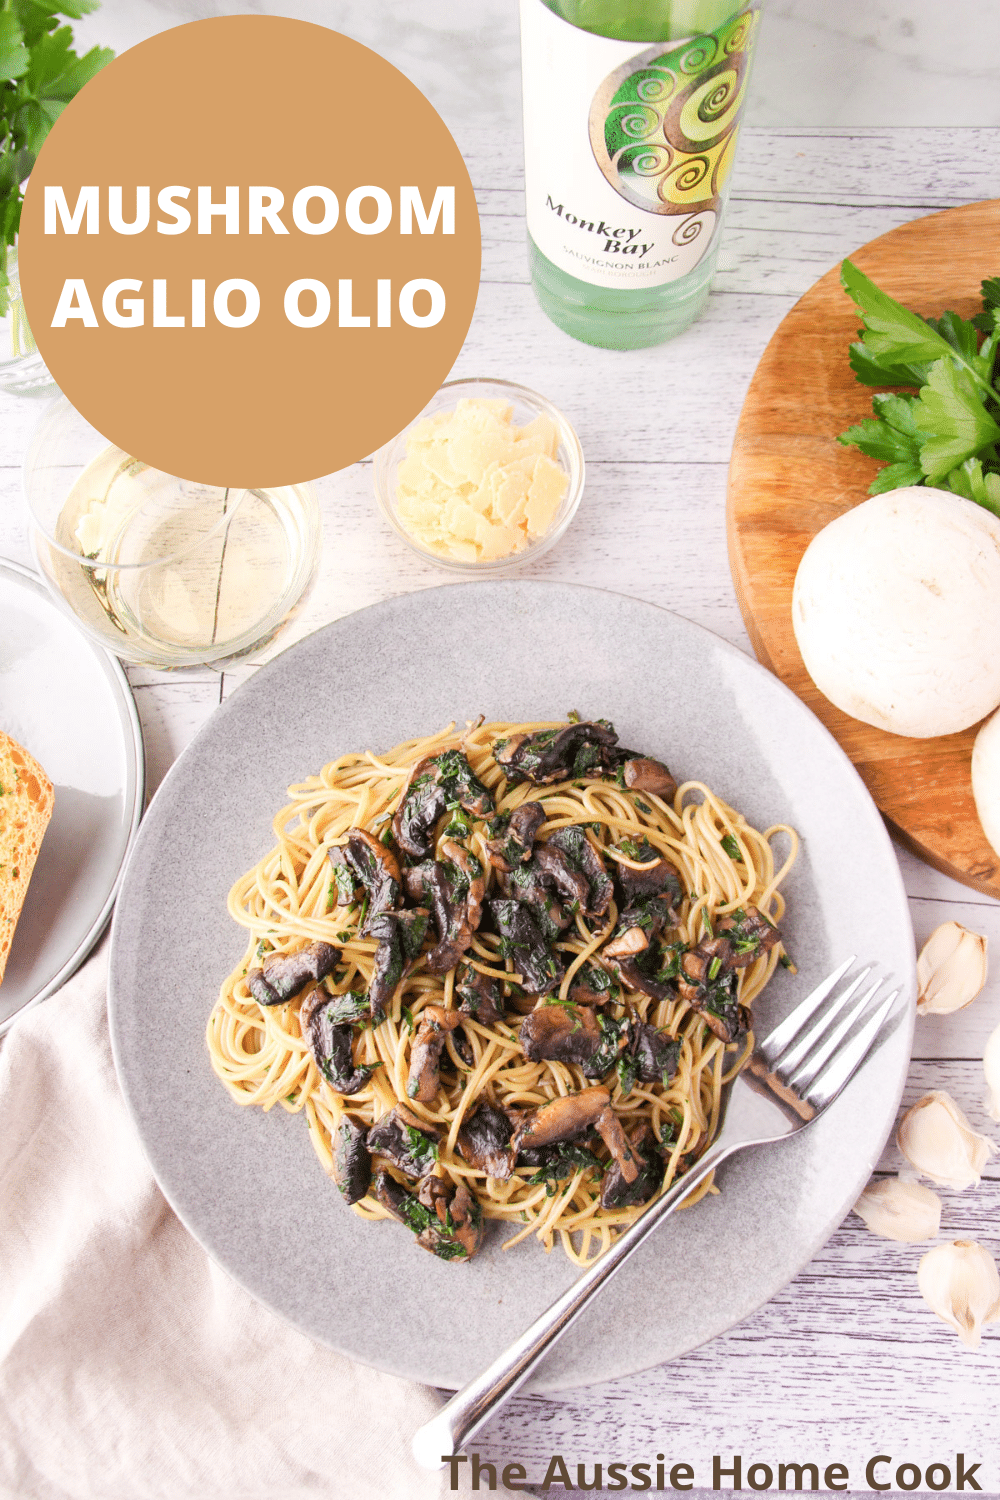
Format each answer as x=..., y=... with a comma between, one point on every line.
x=664, y=125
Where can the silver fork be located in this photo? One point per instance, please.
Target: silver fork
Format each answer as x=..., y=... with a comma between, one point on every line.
x=792, y=1075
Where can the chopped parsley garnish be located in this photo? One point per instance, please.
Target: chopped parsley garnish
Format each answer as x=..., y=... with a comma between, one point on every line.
x=564, y=1160
x=628, y=1071
x=422, y=1148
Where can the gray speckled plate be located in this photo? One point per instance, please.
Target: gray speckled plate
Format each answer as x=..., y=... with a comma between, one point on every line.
x=247, y=1184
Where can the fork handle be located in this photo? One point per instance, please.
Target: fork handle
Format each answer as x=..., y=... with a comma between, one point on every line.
x=471, y=1408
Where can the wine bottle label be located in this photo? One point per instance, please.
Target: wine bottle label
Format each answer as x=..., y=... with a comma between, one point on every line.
x=628, y=152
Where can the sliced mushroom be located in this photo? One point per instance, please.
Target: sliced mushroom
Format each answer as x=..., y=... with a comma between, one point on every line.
x=646, y=775
x=626, y=944
x=354, y=1006
x=391, y=1194
x=427, y=1213
x=332, y=1045
x=467, y=1220
x=373, y=866
x=632, y=953
x=575, y=847
x=460, y=1049
x=539, y=967
x=572, y=885
x=284, y=974
x=399, y=937
x=656, y=877
x=556, y=754
x=561, y=1119
x=702, y=966
x=343, y=875
x=434, y=782
x=455, y=890
x=592, y=985
x=512, y=835
x=406, y=1140
x=434, y=1190
x=471, y=872
x=614, y=1041
x=714, y=995
x=634, y=977
x=454, y=1228
x=562, y=1032
x=614, y=1137
x=529, y=883
x=655, y=1054
x=352, y=1163
x=749, y=934
x=427, y=883
x=479, y=996
x=618, y=1191
x=484, y=1140
x=424, y=1079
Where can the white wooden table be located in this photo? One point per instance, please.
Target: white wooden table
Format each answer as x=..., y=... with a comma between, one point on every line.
x=846, y=1362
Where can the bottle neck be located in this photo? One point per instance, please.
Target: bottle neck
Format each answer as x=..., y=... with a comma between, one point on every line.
x=646, y=20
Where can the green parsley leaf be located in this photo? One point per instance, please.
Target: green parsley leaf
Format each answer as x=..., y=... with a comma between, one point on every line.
x=970, y=481
x=986, y=321
x=894, y=334
x=39, y=74
x=950, y=414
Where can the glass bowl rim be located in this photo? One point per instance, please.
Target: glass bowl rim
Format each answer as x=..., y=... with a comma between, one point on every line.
x=60, y=400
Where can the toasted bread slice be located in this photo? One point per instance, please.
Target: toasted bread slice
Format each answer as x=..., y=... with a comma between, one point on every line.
x=25, y=809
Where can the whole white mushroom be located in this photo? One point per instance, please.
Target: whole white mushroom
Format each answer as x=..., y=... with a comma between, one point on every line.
x=986, y=779
x=896, y=611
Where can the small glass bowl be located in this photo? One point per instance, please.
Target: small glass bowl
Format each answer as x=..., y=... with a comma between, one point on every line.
x=527, y=405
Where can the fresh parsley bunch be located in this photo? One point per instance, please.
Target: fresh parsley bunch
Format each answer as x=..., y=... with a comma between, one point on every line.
x=39, y=74
x=947, y=434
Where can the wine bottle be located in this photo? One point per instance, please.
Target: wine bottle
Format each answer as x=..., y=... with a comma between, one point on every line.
x=628, y=152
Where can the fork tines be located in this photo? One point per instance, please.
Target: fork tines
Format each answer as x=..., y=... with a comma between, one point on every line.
x=810, y=1063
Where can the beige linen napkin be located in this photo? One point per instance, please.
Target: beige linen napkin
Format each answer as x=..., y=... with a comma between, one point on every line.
x=131, y=1367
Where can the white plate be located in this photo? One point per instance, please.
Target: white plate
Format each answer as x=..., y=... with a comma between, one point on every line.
x=69, y=704
x=248, y=1184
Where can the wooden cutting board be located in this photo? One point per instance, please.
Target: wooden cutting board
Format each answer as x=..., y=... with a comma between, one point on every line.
x=789, y=477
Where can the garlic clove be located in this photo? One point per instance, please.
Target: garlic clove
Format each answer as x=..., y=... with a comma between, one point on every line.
x=960, y=1283
x=991, y=1067
x=900, y=1210
x=951, y=970
x=937, y=1139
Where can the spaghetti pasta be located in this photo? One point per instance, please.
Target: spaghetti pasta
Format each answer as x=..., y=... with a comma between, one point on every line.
x=680, y=985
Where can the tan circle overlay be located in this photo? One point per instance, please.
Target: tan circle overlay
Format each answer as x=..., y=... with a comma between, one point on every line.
x=251, y=101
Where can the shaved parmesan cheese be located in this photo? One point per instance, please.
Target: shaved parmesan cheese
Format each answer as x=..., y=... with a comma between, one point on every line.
x=475, y=488
x=896, y=611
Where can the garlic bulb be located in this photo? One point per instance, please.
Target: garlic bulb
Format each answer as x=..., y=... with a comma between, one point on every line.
x=951, y=970
x=991, y=1067
x=960, y=1283
x=900, y=1210
x=937, y=1139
